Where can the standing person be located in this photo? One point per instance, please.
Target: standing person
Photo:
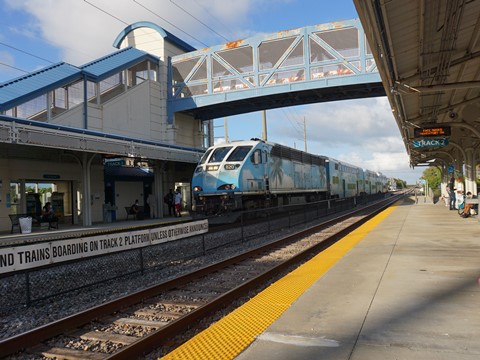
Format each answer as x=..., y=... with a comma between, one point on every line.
x=169, y=200
x=451, y=193
x=152, y=203
x=38, y=206
x=178, y=203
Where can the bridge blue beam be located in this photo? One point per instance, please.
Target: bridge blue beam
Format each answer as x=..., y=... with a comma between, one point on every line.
x=304, y=61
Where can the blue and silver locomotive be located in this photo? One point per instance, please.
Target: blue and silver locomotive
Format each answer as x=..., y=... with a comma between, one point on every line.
x=256, y=174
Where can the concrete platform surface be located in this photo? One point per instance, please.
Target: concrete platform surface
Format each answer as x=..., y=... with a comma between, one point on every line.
x=409, y=290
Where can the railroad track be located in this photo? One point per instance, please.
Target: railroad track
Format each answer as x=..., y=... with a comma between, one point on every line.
x=138, y=323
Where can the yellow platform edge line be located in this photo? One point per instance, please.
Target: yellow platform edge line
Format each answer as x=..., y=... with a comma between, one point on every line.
x=232, y=334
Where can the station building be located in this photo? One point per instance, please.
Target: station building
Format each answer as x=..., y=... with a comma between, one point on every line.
x=92, y=139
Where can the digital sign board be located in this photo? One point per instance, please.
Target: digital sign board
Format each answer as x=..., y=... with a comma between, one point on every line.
x=432, y=131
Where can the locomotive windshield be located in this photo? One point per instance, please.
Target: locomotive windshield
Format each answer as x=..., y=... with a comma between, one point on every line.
x=239, y=153
x=205, y=156
x=219, y=154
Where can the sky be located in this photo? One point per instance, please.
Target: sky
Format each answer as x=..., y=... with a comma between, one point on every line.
x=37, y=33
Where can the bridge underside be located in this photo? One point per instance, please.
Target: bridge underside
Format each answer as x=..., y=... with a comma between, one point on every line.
x=293, y=98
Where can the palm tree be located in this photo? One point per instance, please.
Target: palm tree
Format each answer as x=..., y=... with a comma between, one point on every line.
x=276, y=171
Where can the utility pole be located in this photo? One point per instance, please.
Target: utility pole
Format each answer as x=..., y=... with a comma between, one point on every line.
x=264, y=132
x=305, y=133
x=225, y=125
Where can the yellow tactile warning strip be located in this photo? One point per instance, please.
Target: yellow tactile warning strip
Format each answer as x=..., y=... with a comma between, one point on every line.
x=228, y=337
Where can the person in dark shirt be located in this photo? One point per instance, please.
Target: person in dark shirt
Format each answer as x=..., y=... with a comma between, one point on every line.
x=451, y=193
x=169, y=200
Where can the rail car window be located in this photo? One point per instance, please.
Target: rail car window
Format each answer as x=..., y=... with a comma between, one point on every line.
x=239, y=153
x=219, y=154
x=205, y=156
x=256, y=157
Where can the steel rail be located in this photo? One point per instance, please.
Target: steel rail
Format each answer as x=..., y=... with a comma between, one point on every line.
x=148, y=343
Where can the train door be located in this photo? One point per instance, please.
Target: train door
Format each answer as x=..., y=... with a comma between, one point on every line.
x=257, y=181
x=344, y=189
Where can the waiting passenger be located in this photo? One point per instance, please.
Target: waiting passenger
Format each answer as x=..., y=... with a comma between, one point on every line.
x=135, y=210
x=178, y=203
x=48, y=215
x=467, y=207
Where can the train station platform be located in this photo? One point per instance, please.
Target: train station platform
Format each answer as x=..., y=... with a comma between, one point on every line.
x=66, y=230
x=404, y=286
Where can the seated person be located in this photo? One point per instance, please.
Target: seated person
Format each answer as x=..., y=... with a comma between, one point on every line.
x=135, y=210
x=48, y=215
x=467, y=207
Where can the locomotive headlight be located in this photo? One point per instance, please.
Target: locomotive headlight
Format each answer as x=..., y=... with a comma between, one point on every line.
x=226, y=187
x=197, y=188
x=212, y=167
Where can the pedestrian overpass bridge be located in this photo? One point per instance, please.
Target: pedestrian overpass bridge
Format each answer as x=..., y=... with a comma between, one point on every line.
x=307, y=65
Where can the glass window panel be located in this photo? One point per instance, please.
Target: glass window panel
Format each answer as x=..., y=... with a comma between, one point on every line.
x=240, y=58
x=201, y=72
x=270, y=52
x=75, y=94
x=109, y=82
x=250, y=79
x=228, y=85
x=318, y=53
x=237, y=84
x=91, y=90
x=344, y=41
x=182, y=69
x=193, y=90
x=33, y=108
x=295, y=57
x=284, y=77
x=218, y=69
x=329, y=70
x=59, y=98
x=368, y=49
x=370, y=64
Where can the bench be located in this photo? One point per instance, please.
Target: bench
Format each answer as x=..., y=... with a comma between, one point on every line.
x=129, y=212
x=36, y=220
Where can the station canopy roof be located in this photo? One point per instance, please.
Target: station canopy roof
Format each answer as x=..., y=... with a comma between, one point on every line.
x=428, y=55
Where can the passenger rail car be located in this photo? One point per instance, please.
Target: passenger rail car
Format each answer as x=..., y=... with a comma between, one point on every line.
x=256, y=174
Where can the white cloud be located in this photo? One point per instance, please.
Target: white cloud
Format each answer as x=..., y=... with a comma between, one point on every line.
x=84, y=32
x=362, y=132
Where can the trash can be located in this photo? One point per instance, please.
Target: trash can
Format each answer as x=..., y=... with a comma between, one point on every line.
x=25, y=224
x=108, y=213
